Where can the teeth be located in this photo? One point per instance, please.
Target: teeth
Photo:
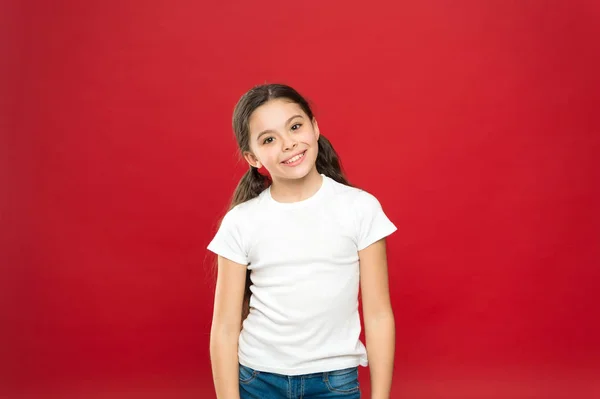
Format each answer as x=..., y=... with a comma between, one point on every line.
x=294, y=159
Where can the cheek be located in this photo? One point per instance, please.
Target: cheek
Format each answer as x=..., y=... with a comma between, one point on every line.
x=269, y=157
x=314, y=142
x=309, y=137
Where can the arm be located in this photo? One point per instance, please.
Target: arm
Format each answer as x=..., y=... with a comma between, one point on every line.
x=378, y=316
x=226, y=326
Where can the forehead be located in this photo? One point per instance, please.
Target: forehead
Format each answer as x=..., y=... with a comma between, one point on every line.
x=273, y=115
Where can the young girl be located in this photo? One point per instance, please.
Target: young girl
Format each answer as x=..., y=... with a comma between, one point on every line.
x=292, y=252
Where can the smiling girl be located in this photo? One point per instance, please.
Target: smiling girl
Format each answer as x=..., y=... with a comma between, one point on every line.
x=293, y=250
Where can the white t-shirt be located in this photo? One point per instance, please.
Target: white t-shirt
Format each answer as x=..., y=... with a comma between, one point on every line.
x=303, y=258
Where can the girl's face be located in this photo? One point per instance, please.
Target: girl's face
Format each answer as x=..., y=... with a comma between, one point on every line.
x=283, y=140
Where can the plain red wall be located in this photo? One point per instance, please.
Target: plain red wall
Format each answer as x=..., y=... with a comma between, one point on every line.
x=474, y=122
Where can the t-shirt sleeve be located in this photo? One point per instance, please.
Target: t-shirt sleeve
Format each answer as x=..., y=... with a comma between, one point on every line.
x=229, y=242
x=373, y=224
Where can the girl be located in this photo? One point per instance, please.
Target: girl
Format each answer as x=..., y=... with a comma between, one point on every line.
x=292, y=252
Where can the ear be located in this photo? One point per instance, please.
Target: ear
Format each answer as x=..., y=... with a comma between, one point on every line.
x=316, y=128
x=252, y=160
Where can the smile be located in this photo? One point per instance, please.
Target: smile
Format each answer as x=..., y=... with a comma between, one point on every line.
x=294, y=159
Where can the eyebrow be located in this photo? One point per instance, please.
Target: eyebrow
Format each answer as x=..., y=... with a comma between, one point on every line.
x=270, y=131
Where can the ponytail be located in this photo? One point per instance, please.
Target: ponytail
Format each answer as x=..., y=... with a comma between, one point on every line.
x=250, y=186
x=328, y=162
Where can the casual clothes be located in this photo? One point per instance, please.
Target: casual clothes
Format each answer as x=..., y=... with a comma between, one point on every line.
x=304, y=264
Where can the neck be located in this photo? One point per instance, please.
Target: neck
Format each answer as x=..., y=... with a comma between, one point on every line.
x=295, y=190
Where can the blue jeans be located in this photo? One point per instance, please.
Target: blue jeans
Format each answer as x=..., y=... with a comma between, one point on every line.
x=331, y=384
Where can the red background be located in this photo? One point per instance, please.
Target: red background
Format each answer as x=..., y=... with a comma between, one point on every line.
x=474, y=122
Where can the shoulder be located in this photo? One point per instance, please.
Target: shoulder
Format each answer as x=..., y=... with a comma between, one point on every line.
x=354, y=196
x=242, y=213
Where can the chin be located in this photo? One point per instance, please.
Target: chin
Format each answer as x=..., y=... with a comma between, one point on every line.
x=294, y=174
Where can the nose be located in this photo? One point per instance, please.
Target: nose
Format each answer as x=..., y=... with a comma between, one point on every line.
x=289, y=143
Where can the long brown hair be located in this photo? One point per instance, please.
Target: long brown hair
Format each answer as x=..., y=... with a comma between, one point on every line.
x=252, y=182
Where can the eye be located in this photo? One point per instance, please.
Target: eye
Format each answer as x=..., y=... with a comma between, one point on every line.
x=296, y=126
x=268, y=140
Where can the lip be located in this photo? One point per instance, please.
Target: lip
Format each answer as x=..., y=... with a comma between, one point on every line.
x=294, y=163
